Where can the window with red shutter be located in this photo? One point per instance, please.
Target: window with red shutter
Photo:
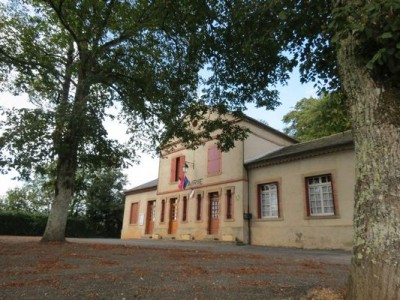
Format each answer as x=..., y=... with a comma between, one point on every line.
x=214, y=165
x=177, y=168
x=173, y=170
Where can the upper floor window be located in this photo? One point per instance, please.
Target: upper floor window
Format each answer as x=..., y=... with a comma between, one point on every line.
x=177, y=164
x=320, y=196
x=268, y=206
x=214, y=163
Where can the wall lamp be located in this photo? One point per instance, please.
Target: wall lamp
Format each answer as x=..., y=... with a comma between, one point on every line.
x=186, y=167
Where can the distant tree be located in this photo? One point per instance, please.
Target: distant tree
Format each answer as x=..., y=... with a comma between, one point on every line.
x=15, y=200
x=99, y=198
x=104, y=200
x=34, y=196
x=314, y=118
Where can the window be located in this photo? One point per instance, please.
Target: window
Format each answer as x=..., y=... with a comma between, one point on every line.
x=177, y=168
x=198, y=210
x=184, y=213
x=268, y=201
x=229, y=204
x=162, y=219
x=134, y=213
x=214, y=161
x=320, y=197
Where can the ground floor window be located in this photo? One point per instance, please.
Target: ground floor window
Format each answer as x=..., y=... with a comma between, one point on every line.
x=268, y=206
x=185, y=208
x=134, y=213
x=320, y=196
x=229, y=204
x=198, y=207
x=162, y=218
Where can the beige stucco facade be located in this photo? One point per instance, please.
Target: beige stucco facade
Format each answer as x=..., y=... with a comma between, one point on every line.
x=294, y=227
x=213, y=206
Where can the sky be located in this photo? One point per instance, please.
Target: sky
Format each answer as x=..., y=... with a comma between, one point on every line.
x=147, y=170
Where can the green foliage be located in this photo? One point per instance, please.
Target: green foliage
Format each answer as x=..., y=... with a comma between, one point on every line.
x=22, y=223
x=29, y=131
x=101, y=200
x=98, y=201
x=314, y=118
x=376, y=26
x=33, y=224
x=34, y=196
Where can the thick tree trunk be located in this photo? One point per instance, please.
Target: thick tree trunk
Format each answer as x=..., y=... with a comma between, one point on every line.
x=375, y=111
x=64, y=186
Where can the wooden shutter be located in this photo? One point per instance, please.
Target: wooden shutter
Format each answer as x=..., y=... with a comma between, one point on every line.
x=173, y=170
x=177, y=168
x=180, y=164
x=134, y=213
x=214, y=160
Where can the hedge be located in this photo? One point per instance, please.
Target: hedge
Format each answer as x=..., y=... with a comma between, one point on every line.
x=26, y=224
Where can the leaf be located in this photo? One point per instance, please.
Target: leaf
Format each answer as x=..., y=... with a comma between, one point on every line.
x=386, y=35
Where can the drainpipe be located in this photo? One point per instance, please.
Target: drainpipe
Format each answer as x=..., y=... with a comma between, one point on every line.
x=247, y=216
x=248, y=208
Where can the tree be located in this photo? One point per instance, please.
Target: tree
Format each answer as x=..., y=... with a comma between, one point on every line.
x=104, y=199
x=98, y=198
x=34, y=196
x=76, y=59
x=353, y=45
x=315, y=118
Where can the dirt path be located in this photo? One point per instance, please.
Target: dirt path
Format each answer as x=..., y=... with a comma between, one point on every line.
x=114, y=269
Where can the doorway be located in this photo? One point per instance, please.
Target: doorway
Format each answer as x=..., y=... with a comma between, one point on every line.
x=214, y=211
x=150, y=217
x=173, y=216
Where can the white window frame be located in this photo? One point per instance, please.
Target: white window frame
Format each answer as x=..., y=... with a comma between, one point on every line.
x=320, y=195
x=268, y=195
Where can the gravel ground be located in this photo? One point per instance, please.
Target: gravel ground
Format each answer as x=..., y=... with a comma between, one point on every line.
x=162, y=269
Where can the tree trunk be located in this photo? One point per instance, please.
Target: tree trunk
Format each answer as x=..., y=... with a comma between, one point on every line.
x=375, y=114
x=64, y=186
x=66, y=146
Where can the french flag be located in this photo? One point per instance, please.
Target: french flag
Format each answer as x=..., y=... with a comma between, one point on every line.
x=183, y=183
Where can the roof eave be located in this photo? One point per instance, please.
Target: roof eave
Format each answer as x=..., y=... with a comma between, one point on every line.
x=300, y=155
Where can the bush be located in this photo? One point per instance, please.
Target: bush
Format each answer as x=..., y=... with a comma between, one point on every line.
x=28, y=224
x=20, y=223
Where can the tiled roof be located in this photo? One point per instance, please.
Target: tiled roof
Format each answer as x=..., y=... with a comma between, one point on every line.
x=340, y=141
x=151, y=185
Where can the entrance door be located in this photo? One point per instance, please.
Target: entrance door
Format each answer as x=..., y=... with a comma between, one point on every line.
x=173, y=216
x=150, y=216
x=213, y=224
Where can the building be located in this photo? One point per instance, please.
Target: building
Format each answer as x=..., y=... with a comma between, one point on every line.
x=267, y=190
